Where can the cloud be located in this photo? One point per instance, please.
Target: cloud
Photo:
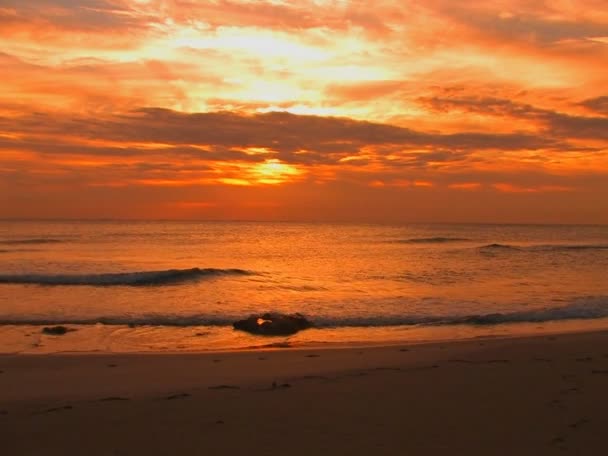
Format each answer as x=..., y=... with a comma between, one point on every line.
x=597, y=104
x=281, y=131
x=221, y=101
x=76, y=15
x=538, y=23
x=556, y=124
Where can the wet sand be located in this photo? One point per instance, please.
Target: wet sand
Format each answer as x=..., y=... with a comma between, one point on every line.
x=526, y=396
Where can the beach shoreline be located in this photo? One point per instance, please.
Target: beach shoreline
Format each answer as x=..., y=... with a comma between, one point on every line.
x=543, y=394
x=115, y=339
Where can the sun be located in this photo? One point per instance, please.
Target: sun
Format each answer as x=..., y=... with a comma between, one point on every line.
x=272, y=171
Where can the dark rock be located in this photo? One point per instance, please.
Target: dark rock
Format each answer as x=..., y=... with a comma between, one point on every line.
x=273, y=324
x=56, y=330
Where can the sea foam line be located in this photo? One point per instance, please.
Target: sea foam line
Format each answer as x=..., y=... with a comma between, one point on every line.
x=590, y=308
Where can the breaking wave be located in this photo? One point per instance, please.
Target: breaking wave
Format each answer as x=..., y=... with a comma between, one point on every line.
x=498, y=248
x=543, y=247
x=562, y=247
x=583, y=309
x=430, y=240
x=140, y=278
x=29, y=241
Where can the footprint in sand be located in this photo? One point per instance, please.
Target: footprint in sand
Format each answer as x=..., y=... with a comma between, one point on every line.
x=569, y=390
x=558, y=440
x=462, y=361
x=112, y=365
x=557, y=404
x=312, y=356
x=315, y=377
x=578, y=423
x=58, y=409
x=356, y=374
x=177, y=396
x=217, y=360
x=224, y=387
x=404, y=349
x=542, y=360
x=489, y=361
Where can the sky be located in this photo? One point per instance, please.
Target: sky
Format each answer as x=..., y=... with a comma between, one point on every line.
x=305, y=110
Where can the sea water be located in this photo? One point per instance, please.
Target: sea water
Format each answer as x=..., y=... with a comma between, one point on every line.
x=165, y=286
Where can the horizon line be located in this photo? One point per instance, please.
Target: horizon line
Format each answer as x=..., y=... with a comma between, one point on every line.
x=337, y=222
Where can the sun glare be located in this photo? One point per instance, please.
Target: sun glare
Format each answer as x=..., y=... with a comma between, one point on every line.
x=272, y=171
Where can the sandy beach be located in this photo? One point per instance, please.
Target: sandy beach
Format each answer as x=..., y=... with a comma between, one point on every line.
x=533, y=396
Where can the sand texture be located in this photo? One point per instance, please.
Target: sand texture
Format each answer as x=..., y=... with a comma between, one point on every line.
x=526, y=396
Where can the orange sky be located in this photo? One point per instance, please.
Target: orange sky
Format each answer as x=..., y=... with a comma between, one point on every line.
x=427, y=110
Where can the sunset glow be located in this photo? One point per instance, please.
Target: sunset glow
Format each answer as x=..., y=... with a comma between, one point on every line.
x=434, y=110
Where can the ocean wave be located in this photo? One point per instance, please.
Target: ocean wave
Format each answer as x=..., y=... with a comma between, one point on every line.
x=139, y=278
x=567, y=247
x=499, y=247
x=584, y=309
x=30, y=241
x=543, y=247
x=133, y=321
x=430, y=240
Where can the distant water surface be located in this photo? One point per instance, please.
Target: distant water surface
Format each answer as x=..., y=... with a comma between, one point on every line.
x=179, y=285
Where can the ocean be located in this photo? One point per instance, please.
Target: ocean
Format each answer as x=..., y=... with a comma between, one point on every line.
x=179, y=286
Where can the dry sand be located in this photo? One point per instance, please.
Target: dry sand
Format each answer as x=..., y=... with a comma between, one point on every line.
x=524, y=396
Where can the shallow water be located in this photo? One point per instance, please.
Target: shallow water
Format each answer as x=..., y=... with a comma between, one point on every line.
x=357, y=283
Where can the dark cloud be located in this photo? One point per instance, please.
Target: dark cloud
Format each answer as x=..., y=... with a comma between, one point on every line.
x=557, y=125
x=534, y=23
x=280, y=131
x=81, y=15
x=598, y=104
